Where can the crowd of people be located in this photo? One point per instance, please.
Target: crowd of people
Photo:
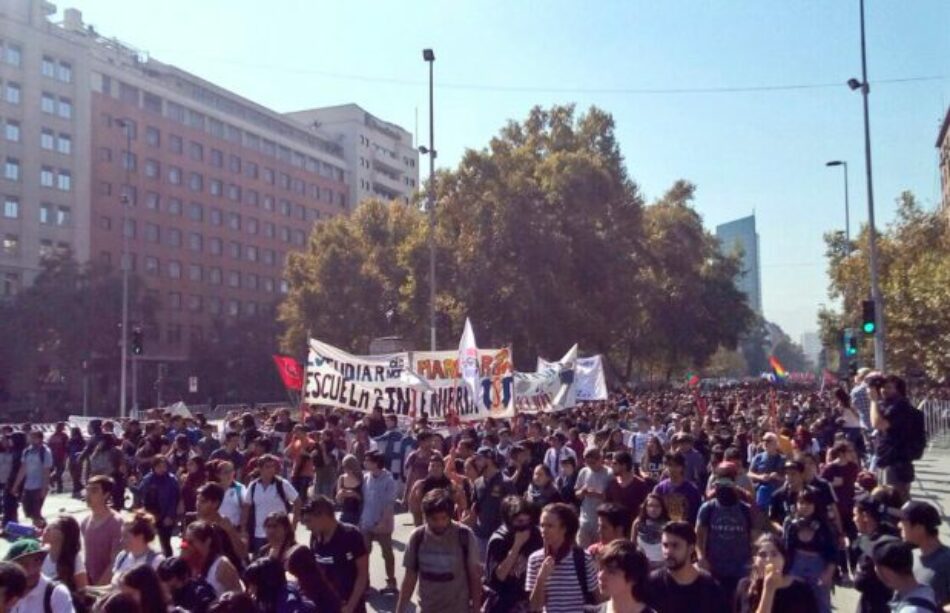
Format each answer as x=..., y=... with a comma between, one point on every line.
x=745, y=499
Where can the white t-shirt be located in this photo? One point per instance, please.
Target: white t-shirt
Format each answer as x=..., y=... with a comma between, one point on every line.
x=60, y=602
x=125, y=562
x=49, y=567
x=232, y=503
x=267, y=500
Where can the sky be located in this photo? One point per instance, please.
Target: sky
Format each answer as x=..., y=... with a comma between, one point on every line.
x=761, y=151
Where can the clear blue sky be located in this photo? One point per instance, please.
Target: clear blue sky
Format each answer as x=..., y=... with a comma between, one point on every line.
x=762, y=151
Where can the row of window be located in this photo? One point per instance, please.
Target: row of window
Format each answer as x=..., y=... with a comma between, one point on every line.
x=49, y=139
x=53, y=105
x=212, y=275
x=11, y=246
x=59, y=70
x=55, y=215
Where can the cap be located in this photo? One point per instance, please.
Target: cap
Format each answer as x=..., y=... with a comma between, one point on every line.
x=727, y=470
x=922, y=514
x=24, y=548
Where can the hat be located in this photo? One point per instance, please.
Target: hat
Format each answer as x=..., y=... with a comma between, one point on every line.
x=920, y=513
x=24, y=548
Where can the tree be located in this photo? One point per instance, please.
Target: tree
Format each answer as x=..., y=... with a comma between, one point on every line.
x=914, y=276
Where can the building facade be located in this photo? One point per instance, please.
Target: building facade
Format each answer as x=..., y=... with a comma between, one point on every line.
x=383, y=160
x=943, y=152
x=740, y=236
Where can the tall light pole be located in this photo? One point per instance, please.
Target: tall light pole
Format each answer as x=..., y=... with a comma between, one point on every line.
x=124, y=333
x=854, y=84
x=429, y=56
x=847, y=207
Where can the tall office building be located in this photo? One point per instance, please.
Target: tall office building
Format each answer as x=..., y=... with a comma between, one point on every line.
x=811, y=346
x=943, y=149
x=383, y=160
x=740, y=236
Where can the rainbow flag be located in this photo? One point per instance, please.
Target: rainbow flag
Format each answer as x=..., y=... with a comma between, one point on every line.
x=777, y=367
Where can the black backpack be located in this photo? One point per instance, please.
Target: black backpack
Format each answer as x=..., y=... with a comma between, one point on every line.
x=581, y=569
x=916, y=441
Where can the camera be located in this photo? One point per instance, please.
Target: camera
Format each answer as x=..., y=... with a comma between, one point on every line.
x=875, y=380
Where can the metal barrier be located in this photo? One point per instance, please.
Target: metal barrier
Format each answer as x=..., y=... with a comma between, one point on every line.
x=936, y=419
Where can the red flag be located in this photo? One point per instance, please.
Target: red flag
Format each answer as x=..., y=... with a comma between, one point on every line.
x=290, y=372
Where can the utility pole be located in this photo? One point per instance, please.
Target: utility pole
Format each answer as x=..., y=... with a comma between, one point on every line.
x=124, y=336
x=429, y=56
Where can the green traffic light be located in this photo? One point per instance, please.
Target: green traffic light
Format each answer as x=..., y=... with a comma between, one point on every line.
x=869, y=327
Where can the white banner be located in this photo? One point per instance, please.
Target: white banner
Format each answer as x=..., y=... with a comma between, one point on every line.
x=551, y=388
x=451, y=394
x=589, y=380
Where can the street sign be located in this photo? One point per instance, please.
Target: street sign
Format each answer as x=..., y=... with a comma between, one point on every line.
x=192, y=385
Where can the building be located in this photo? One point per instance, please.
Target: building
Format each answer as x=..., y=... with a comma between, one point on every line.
x=811, y=346
x=102, y=143
x=943, y=148
x=739, y=236
x=383, y=160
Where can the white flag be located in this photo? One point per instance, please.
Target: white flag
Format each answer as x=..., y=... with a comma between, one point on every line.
x=468, y=359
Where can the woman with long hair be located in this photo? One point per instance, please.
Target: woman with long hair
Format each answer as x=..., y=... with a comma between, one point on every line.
x=623, y=575
x=191, y=478
x=202, y=547
x=653, y=463
x=142, y=584
x=811, y=546
x=280, y=537
x=769, y=588
x=311, y=581
x=65, y=562
x=324, y=464
x=349, y=490
x=647, y=529
x=542, y=491
x=267, y=582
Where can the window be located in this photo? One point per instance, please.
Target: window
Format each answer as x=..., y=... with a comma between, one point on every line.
x=234, y=278
x=195, y=241
x=152, y=233
x=46, y=213
x=268, y=256
x=268, y=203
x=268, y=284
x=11, y=244
x=285, y=234
x=217, y=158
x=251, y=225
x=151, y=266
x=195, y=182
x=174, y=302
x=214, y=305
x=285, y=208
x=234, y=164
x=194, y=273
x=13, y=55
x=129, y=93
x=234, y=250
x=250, y=281
x=269, y=176
x=215, y=246
x=129, y=161
x=234, y=221
x=250, y=170
x=174, y=175
x=174, y=237
x=153, y=169
x=11, y=131
x=194, y=303
x=65, y=108
x=46, y=176
x=64, y=180
x=48, y=103
x=65, y=72
x=129, y=228
x=174, y=269
x=11, y=284
x=153, y=201
x=64, y=144
x=215, y=216
x=214, y=276
x=196, y=151
x=11, y=169
x=12, y=94
x=46, y=248
x=269, y=229
x=152, y=103
x=251, y=253
x=173, y=332
x=175, y=143
x=153, y=138
x=250, y=308
x=251, y=197
x=215, y=187
x=174, y=207
x=11, y=207
x=234, y=193
x=196, y=212
x=299, y=238
x=47, y=139
x=234, y=308
x=300, y=212
x=129, y=194
x=64, y=216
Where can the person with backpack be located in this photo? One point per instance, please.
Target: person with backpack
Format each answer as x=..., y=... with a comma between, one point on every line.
x=894, y=564
x=903, y=435
x=268, y=493
x=192, y=594
x=137, y=533
x=724, y=531
x=34, y=476
x=442, y=557
x=160, y=493
x=562, y=577
x=42, y=594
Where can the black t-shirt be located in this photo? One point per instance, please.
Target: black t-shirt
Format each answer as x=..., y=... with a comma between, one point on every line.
x=195, y=596
x=338, y=557
x=891, y=447
x=512, y=590
x=796, y=598
x=704, y=595
x=488, y=496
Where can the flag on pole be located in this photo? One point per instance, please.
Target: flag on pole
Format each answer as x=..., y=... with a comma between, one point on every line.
x=468, y=359
x=291, y=373
x=777, y=367
x=692, y=380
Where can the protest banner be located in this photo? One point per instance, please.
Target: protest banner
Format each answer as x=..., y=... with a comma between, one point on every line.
x=589, y=380
x=451, y=395
x=551, y=388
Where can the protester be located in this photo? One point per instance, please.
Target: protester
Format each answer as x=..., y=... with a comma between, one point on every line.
x=627, y=489
x=191, y=593
x=208, y=505
x=647, y=529
x=64, y=561
x=873, y=516
x=895, y=419
x=160, y=494
x=681, y=497
x=12, y=585
x=268, y=493
x=340, y=551
x=724, y=531
x=622, y=578
x=28, y=554
x=377, y=517
x=204, y=551
x=920, y=527
x=490, y=489
x=32, y=480
x=681, y=585
x=144, y=586
x=894, y=564
x=613, y=523
x=507, y=556
x=137, y=533
x=267, y=584
x=769, y=588
x=101, y=531
x=591, y=490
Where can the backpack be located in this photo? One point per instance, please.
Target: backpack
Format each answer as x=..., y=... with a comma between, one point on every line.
x=79, y=604
x=916, y=439
x=581, y=569
x=418, y=536
x=251, y=517
x=921, y=603
x=149, y=557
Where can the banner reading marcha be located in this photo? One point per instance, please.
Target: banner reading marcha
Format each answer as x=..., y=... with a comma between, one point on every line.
x=440, y=370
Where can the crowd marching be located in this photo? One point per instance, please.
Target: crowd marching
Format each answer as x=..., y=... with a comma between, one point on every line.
x=752, y=498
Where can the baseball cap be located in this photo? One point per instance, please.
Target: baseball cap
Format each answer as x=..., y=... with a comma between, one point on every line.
x=24, y=548
x=920, y=513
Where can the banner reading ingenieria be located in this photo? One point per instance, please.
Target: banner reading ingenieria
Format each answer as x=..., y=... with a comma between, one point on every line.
x=451, y=394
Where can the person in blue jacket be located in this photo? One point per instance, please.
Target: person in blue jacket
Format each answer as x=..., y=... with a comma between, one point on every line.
x=160, y=492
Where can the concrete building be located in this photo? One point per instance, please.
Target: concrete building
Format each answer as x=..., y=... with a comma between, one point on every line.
x=943, y=149
x=44, y=111
x=811, y=346
x=383, y=160
x=740, y=236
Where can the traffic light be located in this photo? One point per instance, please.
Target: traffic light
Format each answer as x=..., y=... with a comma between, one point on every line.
x=868, y=322
x=138, y=345
x=850, y=343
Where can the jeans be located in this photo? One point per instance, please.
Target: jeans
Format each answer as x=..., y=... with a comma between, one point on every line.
x=33, y=503
x=165, y=537
x=57, y=480
x=386, y=544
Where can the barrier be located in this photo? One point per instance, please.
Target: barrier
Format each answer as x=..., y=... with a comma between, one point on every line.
x=936, y=419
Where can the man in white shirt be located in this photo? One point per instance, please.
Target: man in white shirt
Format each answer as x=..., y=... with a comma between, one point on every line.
x=557, y=452
x=235, y=493
x=29, y=555
x=267, y=494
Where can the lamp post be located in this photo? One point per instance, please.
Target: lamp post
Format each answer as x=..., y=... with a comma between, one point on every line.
x=847, y=207
x=429, y=56
x=123, y=337
x=854, y=84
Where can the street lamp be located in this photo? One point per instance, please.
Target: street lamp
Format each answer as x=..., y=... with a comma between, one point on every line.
x=429, y=56
x=854, y=84
x=847, y=213
x=123, y=336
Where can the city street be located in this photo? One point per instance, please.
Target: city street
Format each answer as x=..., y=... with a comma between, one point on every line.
x=933, y=485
